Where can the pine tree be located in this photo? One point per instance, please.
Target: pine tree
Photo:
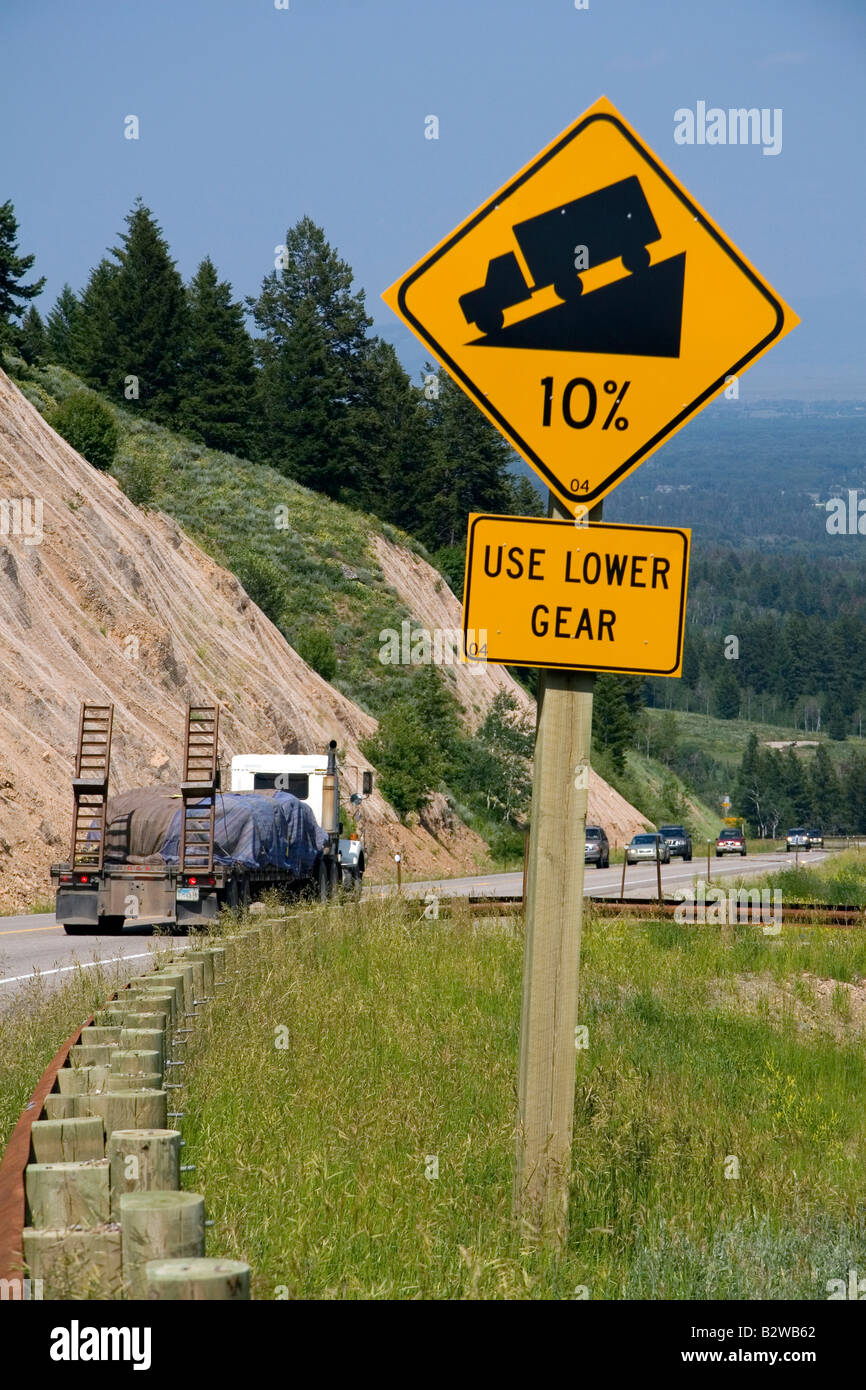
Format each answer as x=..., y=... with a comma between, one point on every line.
x=854, y=795
x=217, y=370
x=301, y=425
x=12, y=268
x=313, y=356
x=526, y=499
x=727, y=694
x=63, y=330
x=612, y=722
x=92, y=340
x=797, y=788
x=135, y=319
x=748, y=787
x=837, y=724
x=397, y=443
x=824, y=790
x=31, y=337
x=470, y=471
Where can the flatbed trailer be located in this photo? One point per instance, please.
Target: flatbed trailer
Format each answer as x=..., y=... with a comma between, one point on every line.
x=102, y=900
x=95, y=896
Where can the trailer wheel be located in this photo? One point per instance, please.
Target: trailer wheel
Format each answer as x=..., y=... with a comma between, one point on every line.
x=352, y=883
x=636, y=259
x=324, y=888
x=111, y=926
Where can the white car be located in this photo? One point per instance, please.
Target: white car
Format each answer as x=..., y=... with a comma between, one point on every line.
x=647, y=847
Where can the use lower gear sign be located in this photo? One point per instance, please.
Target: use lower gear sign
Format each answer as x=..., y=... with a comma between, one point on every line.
x=590, y=308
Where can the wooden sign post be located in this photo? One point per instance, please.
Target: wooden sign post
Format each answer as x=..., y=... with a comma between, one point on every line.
x=554, y=917
x=513, y=306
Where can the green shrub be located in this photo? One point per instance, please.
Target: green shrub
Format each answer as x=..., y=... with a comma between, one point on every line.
x=263, y=581
x=409, y=763
x=88, y=425
x=139, y=476
x=317, y=648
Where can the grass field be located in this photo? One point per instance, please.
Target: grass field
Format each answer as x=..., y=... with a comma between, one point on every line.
x=841, y=879
x=351, y=1112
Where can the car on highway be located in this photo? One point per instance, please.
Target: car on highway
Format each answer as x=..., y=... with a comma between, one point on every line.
x=816, y=838
x=597, y=847
x=796, y=839
x=643, y=847
x=730, y=841
x=678, y=839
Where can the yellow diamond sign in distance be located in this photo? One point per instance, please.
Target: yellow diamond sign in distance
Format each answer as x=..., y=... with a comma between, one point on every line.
x=590, y=308
x=602, y=597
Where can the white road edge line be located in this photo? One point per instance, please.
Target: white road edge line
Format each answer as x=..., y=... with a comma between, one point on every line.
x=79, y=965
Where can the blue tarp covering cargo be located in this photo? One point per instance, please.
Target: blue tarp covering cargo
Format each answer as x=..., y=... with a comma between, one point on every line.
x=275, y=831
x=269, y=829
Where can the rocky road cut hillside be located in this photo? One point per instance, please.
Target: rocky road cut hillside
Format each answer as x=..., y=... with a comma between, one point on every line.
x=117, y=605
x=109, y=603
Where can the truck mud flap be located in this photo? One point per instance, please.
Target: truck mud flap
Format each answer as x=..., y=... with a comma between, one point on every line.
x=77, y=909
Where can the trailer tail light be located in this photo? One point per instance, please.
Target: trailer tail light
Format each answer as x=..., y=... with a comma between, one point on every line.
x=65, y=878
x=79, y=878
x=199, y=880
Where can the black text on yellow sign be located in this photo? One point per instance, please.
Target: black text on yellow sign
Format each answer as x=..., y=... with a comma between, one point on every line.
x=591, y=307
x=597, y=597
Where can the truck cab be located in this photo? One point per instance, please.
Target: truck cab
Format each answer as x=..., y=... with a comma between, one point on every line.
x=304, y=776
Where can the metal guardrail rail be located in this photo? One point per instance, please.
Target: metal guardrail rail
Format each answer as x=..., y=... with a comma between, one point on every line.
x=14, y=1162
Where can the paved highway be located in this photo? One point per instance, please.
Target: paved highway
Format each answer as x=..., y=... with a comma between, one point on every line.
x=640, y=880
x=35, y=943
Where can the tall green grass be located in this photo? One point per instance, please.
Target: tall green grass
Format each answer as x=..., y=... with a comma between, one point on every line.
x=317, y=1158
x=839, y=880
x=37, y=1018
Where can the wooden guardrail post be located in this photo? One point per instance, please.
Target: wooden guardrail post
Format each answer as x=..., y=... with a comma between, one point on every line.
x=155, y=1226
x=67, y=1194
x=143, y=1160
x=214, y=1280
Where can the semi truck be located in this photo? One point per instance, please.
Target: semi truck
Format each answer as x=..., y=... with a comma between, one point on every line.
x=173, y=856
x=612, y=221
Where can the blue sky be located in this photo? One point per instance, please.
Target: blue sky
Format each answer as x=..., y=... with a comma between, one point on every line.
x=252, y=116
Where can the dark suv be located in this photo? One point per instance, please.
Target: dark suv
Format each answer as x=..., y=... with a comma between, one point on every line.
x=679, y=841
x=597, y=847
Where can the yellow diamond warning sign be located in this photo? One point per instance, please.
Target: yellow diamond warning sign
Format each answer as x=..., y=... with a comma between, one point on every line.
x=591, y=307
x=601, y=597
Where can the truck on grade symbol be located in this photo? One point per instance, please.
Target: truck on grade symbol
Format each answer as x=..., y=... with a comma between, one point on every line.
x=613, y=221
